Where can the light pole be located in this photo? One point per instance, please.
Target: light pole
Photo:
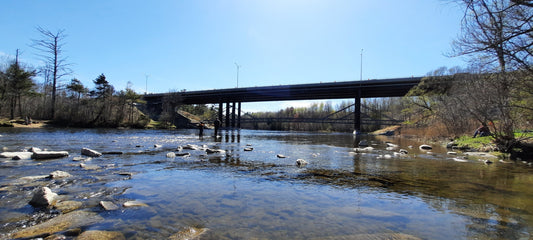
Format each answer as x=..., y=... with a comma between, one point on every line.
x=238, y=67
x=146, y=82
x=361, y=79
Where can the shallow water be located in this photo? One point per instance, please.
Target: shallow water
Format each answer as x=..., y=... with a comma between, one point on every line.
x=256, y=195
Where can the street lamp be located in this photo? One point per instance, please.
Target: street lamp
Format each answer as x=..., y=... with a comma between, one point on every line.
x=361, y=79
x=238, y=67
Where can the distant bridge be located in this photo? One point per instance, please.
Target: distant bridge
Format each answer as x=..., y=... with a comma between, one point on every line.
x=393, y=87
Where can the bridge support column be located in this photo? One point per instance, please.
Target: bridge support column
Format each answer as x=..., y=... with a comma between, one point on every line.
x=233, y=115
x=227, y=115
x=357, y=113
x=220, y=110
x=239, y=116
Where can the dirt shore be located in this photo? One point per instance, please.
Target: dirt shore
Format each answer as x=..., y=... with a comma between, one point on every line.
x=21, y=124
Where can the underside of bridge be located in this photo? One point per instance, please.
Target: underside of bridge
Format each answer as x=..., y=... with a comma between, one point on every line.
x=233, y=97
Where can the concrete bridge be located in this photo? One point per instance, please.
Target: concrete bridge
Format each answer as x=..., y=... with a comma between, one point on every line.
x=393, y=87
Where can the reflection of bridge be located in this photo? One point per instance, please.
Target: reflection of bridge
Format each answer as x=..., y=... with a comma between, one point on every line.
x=396, y=87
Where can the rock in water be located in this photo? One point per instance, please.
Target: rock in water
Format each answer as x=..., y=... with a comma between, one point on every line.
x=171, y=155
x=100, y=235
x=59, y=174
x=16, y=155
x=281, y=156
x=67, y=206
x=43, y=197
x=109, y=206
x=301, y=162
x=134, y=204
x=249, y=149
x=49, y=154
x=60, y=223
x=188, y=233
x=425, y=147
x=90, y=152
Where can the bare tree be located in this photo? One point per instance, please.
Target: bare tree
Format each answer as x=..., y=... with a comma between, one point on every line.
x=497, y=33
x=51, y=52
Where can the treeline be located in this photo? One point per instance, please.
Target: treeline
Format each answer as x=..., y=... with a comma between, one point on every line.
x=75, y=104
x=376, y=113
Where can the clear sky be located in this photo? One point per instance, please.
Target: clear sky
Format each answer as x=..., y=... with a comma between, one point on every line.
x=194, y=44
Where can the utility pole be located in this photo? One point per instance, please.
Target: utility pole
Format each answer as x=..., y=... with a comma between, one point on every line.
x=17, y=57
x=238, y=67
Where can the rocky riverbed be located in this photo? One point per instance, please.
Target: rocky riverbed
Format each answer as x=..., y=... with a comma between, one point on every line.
x=159, y=184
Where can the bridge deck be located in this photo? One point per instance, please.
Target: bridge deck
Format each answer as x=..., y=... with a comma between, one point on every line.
x=394, y=87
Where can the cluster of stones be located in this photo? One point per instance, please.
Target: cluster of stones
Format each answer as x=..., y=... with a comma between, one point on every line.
x=73, y=218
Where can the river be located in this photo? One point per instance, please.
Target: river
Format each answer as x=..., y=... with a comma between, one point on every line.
x=253, y=194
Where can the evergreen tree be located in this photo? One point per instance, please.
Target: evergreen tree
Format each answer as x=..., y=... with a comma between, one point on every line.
x=19, y=83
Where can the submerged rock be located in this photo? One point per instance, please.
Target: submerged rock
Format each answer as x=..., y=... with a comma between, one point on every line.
x=60, y=223
x=134, y=204
x=89, y=166
x=108, y=206
x=90, y=153
x=49, y=154
x=67, y=206
x=43, y=197
x=188, y=233
x=100, y=235
x=183, y=154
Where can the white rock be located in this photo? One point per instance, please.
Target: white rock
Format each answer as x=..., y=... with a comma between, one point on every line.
x=13, y=154
x=134, y=204
x=190, y=147
x=171, y=155
x=425, y=147
x=59, y=174
x=157, y=145
x=90, y=152
x=460, y=160
x=451, y=153
x=23, y=156
x=301, y=162
x=43, y=197
x=392, y=145
x=34, y=149
x=281, y=156
x=109, y=206
x=403, y=151
x=211, y=151
x=249, y=149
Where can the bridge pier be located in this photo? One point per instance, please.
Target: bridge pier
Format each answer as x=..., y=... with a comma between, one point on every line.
x=233, y=115
x=233, y=118
x=357, y=112
x=227, y=115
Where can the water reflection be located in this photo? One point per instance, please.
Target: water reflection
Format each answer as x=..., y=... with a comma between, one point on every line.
x=255, y=194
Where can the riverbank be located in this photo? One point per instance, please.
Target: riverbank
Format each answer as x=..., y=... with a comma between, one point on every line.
x=21, y=123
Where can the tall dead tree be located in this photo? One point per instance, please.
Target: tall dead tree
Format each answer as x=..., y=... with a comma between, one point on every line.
x=51, y=52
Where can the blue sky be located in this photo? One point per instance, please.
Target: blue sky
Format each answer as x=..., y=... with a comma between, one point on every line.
x=194, y=44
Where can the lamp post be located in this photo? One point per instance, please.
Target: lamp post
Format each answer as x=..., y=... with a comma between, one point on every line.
x=361, y=77
x=238, y=67
x=146, y=82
